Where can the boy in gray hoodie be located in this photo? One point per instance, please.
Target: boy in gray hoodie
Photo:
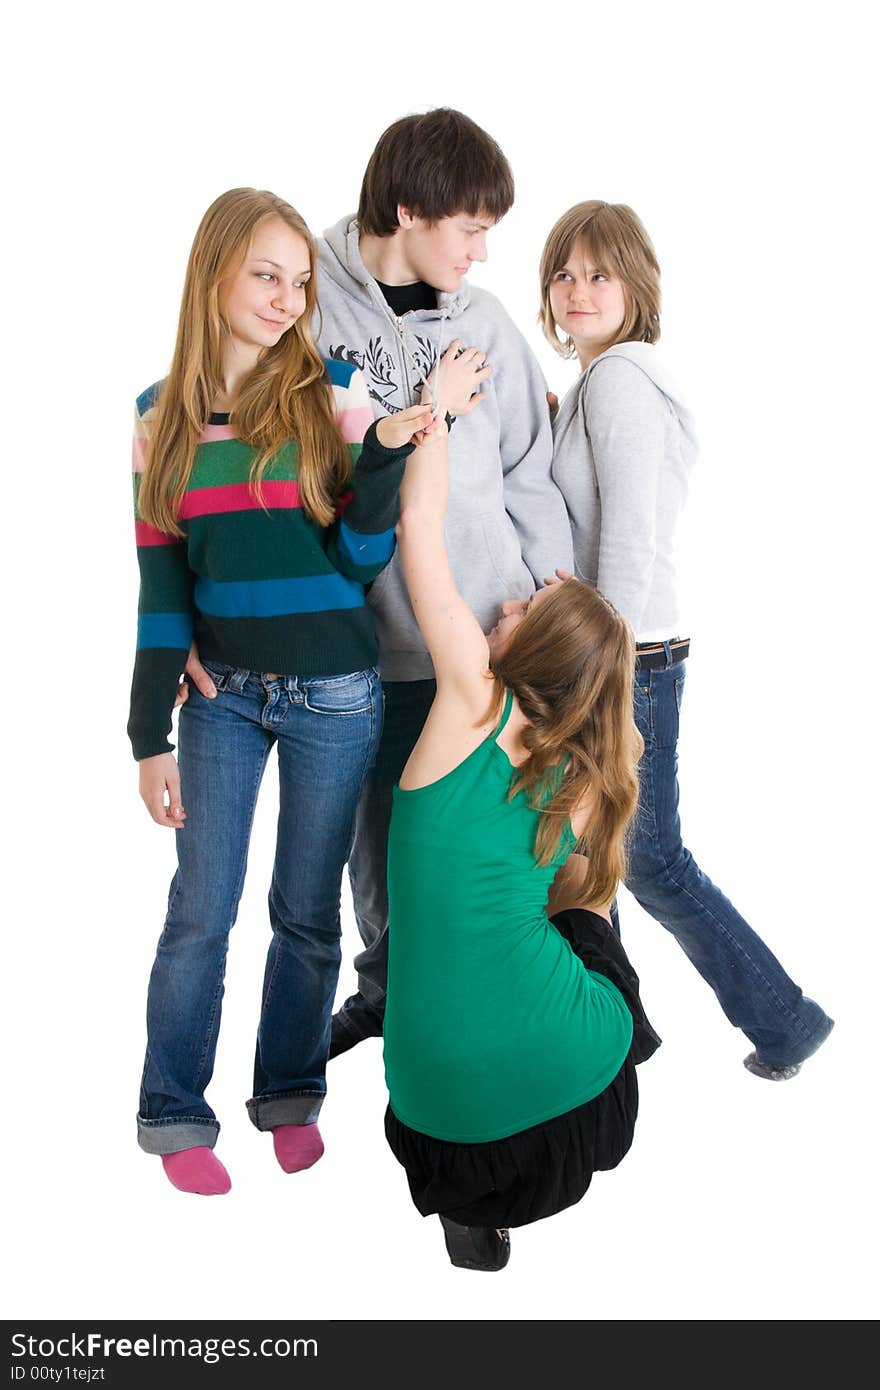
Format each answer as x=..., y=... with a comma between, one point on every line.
x=392, y=288
x=392, y=285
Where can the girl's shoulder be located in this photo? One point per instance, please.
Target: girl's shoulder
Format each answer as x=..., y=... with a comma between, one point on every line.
x=631, y=380
x=351, y=398
x=339, y=372
x=621, y=363
x=634, y=374
x=144, y=418
x=147, y=400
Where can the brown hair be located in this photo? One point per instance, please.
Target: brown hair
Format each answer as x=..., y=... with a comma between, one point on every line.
x=436, y=164
x=618, y=244
x=570, y=663
x=286, y=396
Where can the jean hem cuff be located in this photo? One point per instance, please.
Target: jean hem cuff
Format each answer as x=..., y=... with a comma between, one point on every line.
x=806, y=1050
x=289, y=1108
x=172, y=1136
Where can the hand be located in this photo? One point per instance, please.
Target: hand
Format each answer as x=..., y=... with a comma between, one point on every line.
x=198, y=675
x=158, y=776
x=408, y=426
x=559, y=578
x=553, y=402
x=461, y=373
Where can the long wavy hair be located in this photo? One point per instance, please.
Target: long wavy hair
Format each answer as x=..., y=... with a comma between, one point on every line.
x=570, y=663
x=285, y=397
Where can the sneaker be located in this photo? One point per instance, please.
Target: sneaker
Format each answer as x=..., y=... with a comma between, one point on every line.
x=351, y=1024
x=769, y=1072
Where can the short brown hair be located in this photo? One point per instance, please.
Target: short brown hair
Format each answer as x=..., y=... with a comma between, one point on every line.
x=436, y=164
x=618, y=244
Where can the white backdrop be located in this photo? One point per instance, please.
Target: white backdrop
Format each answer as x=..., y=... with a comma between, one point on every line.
x=740, y=137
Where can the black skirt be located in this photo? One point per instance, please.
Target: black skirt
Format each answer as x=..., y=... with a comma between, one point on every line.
x=542, y=1170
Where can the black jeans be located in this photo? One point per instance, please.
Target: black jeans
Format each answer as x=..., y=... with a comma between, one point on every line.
x=406, y=708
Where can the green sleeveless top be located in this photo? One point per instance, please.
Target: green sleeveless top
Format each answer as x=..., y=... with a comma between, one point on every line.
x=492, y=1023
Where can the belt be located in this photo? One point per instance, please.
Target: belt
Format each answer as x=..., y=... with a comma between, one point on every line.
x=651, y=656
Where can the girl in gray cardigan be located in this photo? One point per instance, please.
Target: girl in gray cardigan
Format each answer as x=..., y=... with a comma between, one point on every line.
x=623, y=449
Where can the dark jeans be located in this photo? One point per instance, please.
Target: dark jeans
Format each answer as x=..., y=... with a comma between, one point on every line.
x=406, y=708
x=749, y=982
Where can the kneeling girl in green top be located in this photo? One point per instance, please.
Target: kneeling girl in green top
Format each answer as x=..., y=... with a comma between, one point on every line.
x=510, y=1037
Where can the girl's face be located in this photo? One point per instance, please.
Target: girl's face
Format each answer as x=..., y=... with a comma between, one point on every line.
x=267, y=294
x=588, y=303
x=513, y=610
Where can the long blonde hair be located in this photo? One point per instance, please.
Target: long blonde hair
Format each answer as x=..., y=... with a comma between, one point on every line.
x=286, y=396
x=570, y=663
x=619, y=245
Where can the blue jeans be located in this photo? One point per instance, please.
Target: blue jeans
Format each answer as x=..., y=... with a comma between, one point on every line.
x=327, y=732
x=406, y=708
x=749, y=982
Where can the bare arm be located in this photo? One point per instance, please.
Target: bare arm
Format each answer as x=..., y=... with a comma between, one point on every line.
x=452, y=635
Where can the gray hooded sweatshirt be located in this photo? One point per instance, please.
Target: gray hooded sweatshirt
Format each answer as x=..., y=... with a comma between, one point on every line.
x=506, y=524
x=624, y=446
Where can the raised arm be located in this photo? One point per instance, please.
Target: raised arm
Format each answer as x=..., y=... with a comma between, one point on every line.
x=361, y=542
x=457, y=646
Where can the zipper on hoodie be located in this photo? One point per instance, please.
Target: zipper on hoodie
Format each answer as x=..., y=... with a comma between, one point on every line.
x=404, y=357
x=406, y=376
x=403, y=362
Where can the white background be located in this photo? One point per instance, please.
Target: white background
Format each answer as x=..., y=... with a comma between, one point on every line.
x=740, y=137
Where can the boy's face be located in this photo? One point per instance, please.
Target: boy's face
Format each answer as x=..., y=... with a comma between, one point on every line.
x=441, y=253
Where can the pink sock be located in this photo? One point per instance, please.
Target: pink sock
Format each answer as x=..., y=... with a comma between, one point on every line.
x=297, y=1146
x=196, y=1170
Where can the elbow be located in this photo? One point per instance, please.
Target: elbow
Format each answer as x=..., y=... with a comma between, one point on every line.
x=418, y=519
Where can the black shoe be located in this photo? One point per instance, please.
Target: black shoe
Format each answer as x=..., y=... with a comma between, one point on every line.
x=476, y=1247
x=351, y=1024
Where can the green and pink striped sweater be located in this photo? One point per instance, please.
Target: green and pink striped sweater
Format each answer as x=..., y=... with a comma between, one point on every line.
x=266, y=589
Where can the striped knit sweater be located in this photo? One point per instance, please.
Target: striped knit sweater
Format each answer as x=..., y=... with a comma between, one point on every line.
x=266, y=589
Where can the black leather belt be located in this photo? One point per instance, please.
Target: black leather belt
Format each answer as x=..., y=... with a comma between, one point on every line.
x=651, y=656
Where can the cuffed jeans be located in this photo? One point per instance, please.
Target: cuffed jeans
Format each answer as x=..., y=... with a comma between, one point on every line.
x=327, y=732
x=750, y=984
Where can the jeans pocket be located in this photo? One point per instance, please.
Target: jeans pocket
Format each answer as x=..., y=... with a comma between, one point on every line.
x=642, y=707
x=665, y=705
x=351, y=694
x=219, y=673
